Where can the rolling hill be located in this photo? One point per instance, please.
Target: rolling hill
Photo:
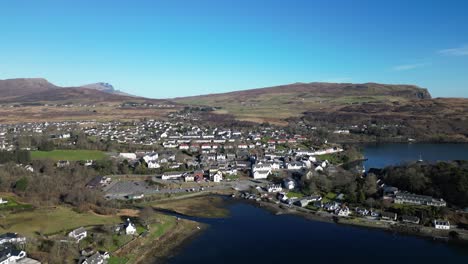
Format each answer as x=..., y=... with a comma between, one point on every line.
x=318, y=104
x=12, y=88
x=275, y=104
x=37, y=100
x=405, y=111
x=37, y=90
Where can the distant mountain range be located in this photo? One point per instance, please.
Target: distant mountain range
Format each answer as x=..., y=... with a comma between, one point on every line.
x=105, y=87
x=332, y=104
x=29, y=90
x=40, y=90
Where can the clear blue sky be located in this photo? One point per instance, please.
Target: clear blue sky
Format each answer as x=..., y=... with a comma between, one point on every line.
x=169, y=48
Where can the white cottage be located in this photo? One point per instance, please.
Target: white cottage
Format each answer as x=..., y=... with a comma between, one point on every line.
x=129, y=227
x=441, y=224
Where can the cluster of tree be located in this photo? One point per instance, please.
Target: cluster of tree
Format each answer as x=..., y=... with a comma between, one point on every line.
x=448, y=180
x=17, y=156
x=78, y=140
x=356, y=189
x=49, y=185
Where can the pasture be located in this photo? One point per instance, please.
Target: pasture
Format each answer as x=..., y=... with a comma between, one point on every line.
x=51, y=220
x=70, y=155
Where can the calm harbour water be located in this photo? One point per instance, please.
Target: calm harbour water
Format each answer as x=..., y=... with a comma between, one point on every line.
x=381, y=155
x=254, y=235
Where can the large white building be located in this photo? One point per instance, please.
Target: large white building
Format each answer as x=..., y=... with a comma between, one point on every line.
x=151, y=157
x=440, y=224
x=261, y=174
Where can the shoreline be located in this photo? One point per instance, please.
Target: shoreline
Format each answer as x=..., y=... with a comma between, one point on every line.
x=163, y=248
x=394, y=227
x=173, y=242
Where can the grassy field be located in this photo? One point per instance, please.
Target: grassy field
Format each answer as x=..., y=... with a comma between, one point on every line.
x=13, y=205
x=204, y=206
x=100, y=113
x=159, y=229
x=295, y=194
x=117, y=260
x=51, y=221
x=163, y=237
x=71, y=155
x=334, y=158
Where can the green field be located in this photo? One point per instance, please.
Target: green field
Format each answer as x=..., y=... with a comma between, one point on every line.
x=204, y=206
x=13, y=205
x=334, y=158
x=117, y=260
x=70, y=155
x=295, y=194
x=51, y=221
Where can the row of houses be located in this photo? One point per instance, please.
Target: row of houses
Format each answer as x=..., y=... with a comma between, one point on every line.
x=11, y=249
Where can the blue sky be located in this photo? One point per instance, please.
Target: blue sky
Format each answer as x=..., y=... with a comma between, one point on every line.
x=170, y=48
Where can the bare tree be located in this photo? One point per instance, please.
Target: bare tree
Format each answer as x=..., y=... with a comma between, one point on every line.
x=370, y=185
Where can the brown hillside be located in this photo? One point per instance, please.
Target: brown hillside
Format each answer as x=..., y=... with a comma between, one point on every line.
x=22, y=87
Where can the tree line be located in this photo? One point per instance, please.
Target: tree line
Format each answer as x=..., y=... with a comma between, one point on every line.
x=17, y=156
x=447, y=180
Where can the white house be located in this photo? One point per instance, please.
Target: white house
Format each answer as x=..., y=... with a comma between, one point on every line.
x=275, y=165
x=318, y=168
x=261, y=174
x=343, y=211
x=274, y=188
x=324, y=164
x=11, y=238
x=184, y=147
x=29, y=168
x=220, y=157
x=289, y=184
x=261, y=167
x=441, y=224
x=151, y=157
x=172, y=175
x=11, y=255
x=63, y=163
x=152, y=164
x=189, y=178
x=129, y=227
x=306, y=163
x=97, y=258
x=327, y=151
x=78, y=234
x=205, y=146
x=295, y=165
x=217, y=177
x=242, y=146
